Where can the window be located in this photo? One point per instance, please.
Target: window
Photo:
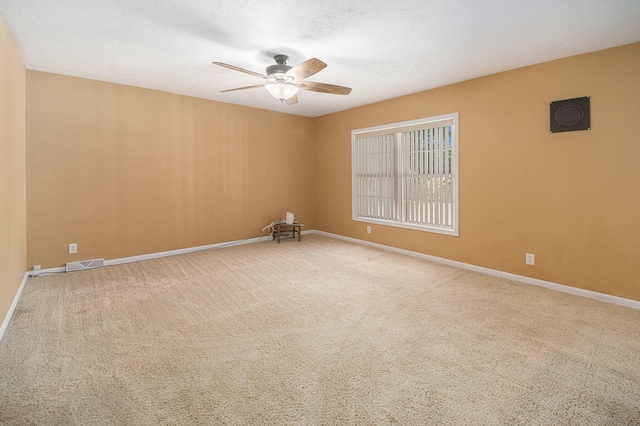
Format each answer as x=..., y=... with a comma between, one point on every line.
x=406, y=174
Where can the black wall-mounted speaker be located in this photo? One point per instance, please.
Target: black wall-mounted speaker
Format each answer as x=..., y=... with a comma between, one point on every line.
x=570, y=114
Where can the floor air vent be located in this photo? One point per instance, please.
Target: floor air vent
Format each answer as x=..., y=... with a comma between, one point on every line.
x=85, y=264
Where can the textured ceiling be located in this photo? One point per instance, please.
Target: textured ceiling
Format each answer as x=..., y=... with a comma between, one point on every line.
x=382, y=49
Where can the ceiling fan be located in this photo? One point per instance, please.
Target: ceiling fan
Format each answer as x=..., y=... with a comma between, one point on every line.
x=285, y=80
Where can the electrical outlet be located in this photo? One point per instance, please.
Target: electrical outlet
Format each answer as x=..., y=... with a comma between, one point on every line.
x=368, y=229
x=529, y=259
x=36, y=267
x=73, y=248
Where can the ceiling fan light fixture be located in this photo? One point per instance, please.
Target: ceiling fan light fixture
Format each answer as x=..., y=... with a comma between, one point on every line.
x=282, y=91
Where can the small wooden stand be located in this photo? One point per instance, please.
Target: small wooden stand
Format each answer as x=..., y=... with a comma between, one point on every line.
x=280, y=227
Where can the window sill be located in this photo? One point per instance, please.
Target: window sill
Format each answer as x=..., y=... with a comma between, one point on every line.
x=433, y=229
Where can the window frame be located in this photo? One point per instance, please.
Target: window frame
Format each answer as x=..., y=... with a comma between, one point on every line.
x=397, y=129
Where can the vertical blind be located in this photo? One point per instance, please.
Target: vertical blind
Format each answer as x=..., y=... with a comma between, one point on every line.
x=406, y=174
x=377, y=177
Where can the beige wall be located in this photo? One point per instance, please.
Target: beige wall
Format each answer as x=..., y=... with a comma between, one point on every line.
x=572, y=199
x=124, y=171
x=13, y=219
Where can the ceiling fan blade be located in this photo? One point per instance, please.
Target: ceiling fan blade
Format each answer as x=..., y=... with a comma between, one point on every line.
x=292, y=100
x=243, y=88
x=233, y=67
x=305, y=69
x=325, y=88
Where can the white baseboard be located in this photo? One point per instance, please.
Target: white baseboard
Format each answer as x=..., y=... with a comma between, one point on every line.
x=12, y=308
x=158, y=255
x=183, y=251
x=635, y=304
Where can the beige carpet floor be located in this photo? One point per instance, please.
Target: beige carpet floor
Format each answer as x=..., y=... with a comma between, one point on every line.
x=317, y=332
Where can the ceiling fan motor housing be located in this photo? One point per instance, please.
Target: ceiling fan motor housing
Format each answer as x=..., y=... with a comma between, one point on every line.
x=280, y=69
